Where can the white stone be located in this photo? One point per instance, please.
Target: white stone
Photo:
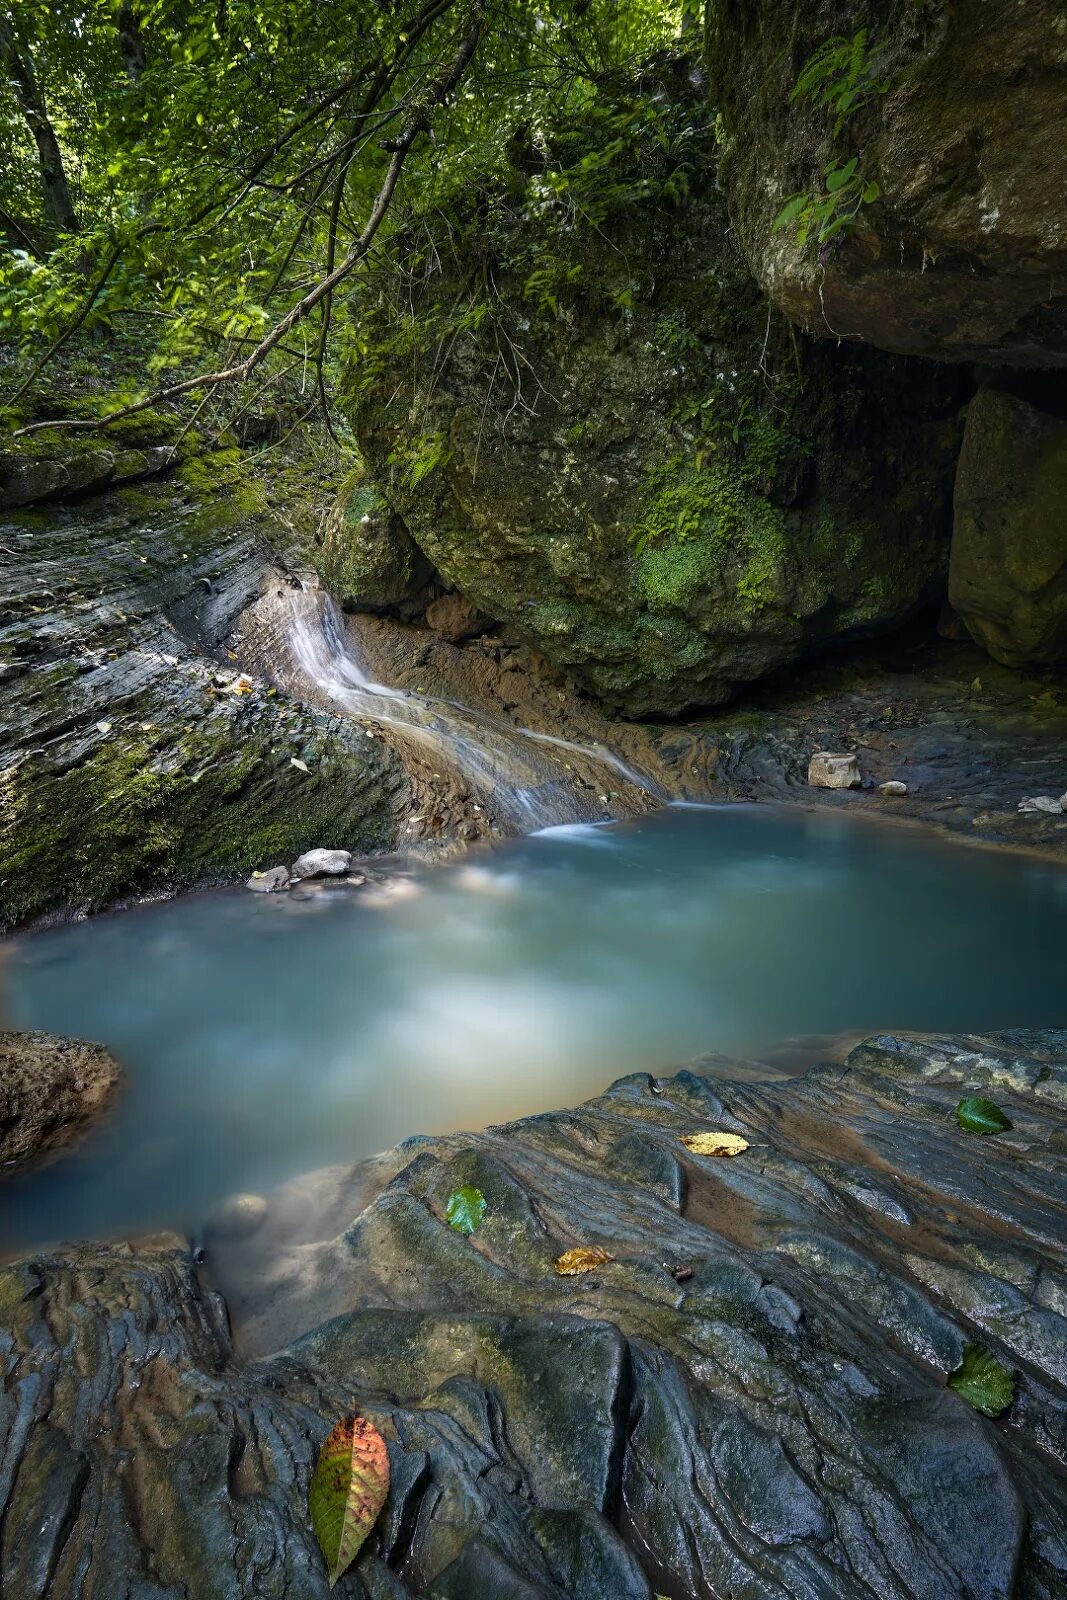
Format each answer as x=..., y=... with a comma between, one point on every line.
x=829, y=771
x=322, y=864
x=894, y=786
x=1042, y=802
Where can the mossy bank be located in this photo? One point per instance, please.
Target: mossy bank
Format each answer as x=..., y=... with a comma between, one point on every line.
x=136, y=759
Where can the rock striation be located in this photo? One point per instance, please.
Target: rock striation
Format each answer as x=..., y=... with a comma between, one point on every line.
x=136, y=759
x=750, y=1397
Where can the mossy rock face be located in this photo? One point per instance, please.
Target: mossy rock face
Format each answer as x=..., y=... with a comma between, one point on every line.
x=1008, y=573
x=369, y=561
x=131, y=765
x=963, y=254
x=620, y=452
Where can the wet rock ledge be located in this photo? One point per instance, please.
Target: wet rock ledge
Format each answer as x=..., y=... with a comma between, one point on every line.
x=749, y=1400
x=51, y=1091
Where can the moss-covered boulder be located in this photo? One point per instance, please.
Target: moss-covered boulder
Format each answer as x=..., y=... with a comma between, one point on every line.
x=369, y=560
x=597, y=430
x=1008, y=572
x=955, y=115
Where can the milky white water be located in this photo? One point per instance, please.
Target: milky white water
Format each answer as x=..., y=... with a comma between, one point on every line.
x=264, y=1036
x=529, y=777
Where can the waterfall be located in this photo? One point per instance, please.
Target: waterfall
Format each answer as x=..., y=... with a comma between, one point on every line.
x=529, y=779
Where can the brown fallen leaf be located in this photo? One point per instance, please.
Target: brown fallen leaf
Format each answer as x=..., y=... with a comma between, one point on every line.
x=715, y=1144
x=583, y=1258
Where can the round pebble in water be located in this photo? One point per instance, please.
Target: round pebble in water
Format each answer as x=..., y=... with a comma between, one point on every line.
x=237, y=1217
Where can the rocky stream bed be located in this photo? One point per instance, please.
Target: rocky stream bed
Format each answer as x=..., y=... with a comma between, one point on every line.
x=749, y=1399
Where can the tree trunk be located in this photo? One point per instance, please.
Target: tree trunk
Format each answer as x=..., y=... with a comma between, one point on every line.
x=17, y=61
x=131, y=42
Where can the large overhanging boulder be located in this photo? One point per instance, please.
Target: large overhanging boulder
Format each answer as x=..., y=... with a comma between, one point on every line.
x=958, y=117
x=598, y=431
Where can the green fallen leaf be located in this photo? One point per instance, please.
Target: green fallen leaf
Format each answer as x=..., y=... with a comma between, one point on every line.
x=466, y=1208
x=983, y=1382
x=976, y=1115
x=347, y=1491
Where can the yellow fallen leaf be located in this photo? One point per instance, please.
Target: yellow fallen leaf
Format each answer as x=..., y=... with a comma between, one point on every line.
x=715, y=1144
x=583, y=1258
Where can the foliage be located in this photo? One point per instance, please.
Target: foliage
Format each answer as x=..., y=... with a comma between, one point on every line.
x=835, y=210
x=348, y=1489
x=466, y=1208
x=983, y=1382
x=842, y=76
x=977, y=1115
x=710, y=502
x=221, y=158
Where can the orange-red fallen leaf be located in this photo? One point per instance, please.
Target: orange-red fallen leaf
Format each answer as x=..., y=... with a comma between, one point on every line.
x=715, y=1144
x=583, y=1258
x=348, y=1490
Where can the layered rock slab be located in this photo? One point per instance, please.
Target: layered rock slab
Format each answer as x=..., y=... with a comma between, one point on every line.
x=775, y=1424
x=134, y=758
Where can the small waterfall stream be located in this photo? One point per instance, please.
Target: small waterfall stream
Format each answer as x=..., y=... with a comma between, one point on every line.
x=531, y=779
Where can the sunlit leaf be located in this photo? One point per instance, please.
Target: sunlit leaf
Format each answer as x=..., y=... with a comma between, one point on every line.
x=715, y=1144
x=583, y=1258
x=466, y=1208
x=976, y=1115
x=348, y=1489
x=983, y=1382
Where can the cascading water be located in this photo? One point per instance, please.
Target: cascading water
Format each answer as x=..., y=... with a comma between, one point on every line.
x=530, y=779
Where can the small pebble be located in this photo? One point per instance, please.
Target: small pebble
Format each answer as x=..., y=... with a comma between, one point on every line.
x=894, y=786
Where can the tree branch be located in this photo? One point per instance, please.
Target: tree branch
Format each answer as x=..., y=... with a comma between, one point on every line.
x=432, y=97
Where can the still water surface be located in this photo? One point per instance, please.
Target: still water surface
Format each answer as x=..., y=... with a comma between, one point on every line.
x=263, y=1037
